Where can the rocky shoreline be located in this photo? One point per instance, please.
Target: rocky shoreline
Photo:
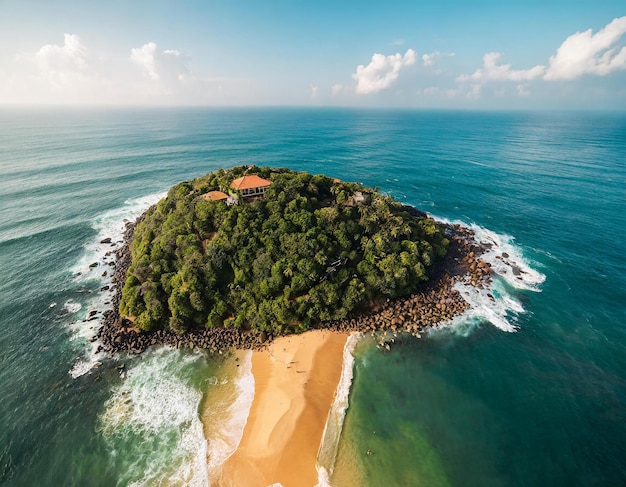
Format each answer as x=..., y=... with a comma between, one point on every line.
x=434, y=303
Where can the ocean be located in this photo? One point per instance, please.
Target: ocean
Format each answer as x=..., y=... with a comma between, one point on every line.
x=527, y=390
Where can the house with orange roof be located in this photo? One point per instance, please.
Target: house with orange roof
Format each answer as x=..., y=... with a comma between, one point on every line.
x=251, y=185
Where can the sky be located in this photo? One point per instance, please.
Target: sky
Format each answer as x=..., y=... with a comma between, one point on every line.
x=478, y=54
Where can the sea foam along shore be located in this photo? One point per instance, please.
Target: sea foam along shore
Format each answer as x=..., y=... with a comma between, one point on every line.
x=150, y=423
x=296, y=379
x=327, y=453
x=95, y=268
x=511, y=271
x=225, y=408
x=507, y=265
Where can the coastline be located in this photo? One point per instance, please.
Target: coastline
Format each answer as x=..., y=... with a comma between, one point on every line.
x=434, y=302
x=278, y=444
x=296, y=378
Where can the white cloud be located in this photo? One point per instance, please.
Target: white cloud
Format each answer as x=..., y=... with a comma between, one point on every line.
x=63, y=67
x=168, y=67
x=336, y=89
x=430, y=59
x=71, y=72
x=492, y=70
x=144, y=57
x=580, y=54
x=437, y=92
x=55, y=73
x=382, y=71
x=314, y=91
x=70, y=57
x=474, y=92
x=586, y=53
x=65, y=73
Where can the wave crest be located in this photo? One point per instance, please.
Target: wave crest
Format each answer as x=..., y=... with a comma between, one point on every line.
x=95, y=265
x=153, y=418
x=327, y=453
x=497, y=304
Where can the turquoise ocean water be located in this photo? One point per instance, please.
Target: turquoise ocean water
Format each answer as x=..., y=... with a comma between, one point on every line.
x=527, y=391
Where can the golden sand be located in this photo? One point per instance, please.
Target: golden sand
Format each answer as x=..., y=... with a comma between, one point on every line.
x=295, y=383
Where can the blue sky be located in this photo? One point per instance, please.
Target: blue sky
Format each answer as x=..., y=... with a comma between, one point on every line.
x=446, y=54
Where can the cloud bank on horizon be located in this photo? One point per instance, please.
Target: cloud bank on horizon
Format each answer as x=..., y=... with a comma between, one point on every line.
x=582, y=53
x=72, y=73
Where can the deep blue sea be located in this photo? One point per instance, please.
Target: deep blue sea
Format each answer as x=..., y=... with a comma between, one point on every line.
x=529, y=390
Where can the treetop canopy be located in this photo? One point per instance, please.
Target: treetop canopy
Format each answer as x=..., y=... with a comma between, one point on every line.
x=308, y=250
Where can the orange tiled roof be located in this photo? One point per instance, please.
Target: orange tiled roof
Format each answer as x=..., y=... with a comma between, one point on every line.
x=249, y=182
x=215, y=196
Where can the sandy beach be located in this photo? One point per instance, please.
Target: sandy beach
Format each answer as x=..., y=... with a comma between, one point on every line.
x=295, y=382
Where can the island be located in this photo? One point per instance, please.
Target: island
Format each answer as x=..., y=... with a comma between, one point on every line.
x=238, y=257
x=278, y=268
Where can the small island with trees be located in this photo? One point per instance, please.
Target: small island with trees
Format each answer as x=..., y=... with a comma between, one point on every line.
x=242, y=255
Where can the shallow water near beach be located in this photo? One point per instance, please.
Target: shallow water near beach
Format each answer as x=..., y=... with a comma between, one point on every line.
x=525, y=390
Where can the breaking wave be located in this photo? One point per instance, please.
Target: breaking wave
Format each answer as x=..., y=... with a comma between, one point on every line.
x=327, y=453
x=497, y=304
x=95, y=267
x=151, y=423
x=228, y=430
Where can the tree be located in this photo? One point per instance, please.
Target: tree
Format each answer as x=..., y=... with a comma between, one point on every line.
x=302, y=254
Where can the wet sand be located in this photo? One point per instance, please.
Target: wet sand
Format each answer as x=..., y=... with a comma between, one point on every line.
x=295, y=382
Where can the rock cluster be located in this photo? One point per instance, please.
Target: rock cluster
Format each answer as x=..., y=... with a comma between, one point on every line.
x=436, y=302
x=124, y=338
x=412, y=314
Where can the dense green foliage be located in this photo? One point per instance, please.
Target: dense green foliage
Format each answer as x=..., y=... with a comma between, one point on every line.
x=303, y=253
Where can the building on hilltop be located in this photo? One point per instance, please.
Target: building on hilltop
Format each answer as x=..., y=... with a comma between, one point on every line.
x=215, y=196
x=251, y=185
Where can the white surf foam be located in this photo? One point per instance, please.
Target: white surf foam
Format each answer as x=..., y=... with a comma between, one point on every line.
x=152, y=417
x=110, y=225
x=500, y=309
x=507, y=260
x=497, y=304
x=225, y=441
x=94, y=265
x=327, y=453
x=71, y=307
